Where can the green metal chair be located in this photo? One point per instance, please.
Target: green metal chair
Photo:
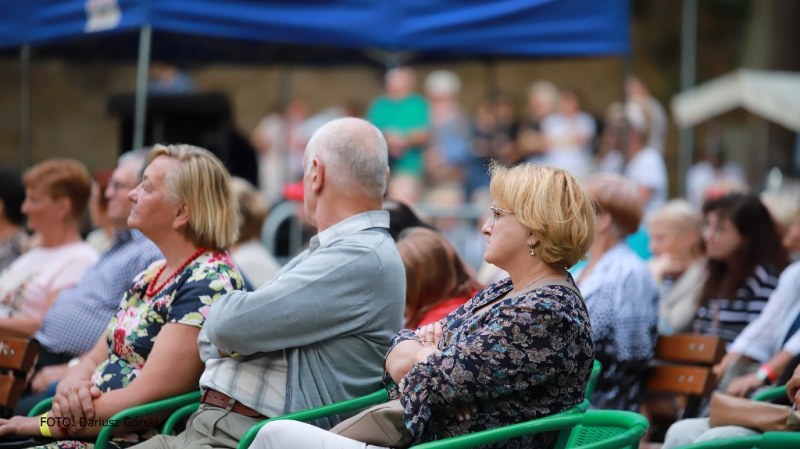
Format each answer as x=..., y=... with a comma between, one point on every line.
x=770, y=394
x=595, y=429
x=596, y=369
x=164, y=405
x=349, y=406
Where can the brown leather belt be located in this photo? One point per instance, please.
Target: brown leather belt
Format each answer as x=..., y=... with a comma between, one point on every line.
x=221, y=400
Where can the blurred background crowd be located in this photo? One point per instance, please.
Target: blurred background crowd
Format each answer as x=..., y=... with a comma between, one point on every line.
x=699, y=240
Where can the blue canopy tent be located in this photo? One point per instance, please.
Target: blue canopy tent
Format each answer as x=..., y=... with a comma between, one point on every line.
x=517, y=28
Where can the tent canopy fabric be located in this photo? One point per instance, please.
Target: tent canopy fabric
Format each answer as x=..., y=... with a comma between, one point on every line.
x=476, y=27
x=772, y=95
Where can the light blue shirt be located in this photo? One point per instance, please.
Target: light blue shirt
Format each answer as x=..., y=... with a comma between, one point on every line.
x=332, y=312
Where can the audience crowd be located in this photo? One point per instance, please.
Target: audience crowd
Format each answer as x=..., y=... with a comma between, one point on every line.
x=580, y=257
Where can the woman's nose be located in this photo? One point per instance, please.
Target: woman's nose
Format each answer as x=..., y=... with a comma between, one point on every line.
x=487, y=228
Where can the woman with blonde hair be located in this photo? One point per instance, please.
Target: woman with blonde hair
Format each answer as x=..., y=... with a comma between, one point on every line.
x=520, y=349
x=621, y=296
x=437, y=280
x=251, y=257
x=56, y=195
x=678, y=265
x=185, y=206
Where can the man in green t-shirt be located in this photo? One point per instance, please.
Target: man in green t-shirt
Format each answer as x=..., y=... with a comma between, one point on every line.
x=403, y=117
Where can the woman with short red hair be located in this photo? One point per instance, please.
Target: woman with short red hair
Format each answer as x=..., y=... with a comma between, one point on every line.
x=56, y=194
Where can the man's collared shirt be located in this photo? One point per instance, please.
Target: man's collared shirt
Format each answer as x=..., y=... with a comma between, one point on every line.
x=321, y=325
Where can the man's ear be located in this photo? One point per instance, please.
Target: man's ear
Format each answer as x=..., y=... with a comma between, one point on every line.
x=181, y=218
x=317, y=175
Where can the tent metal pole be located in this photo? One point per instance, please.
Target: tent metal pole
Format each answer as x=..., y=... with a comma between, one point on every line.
x=25, y=106
x=688, y=71
x=145, y=38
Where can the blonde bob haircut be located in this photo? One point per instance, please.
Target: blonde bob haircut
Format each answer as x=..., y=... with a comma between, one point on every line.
x=552, y=204
x=204, y=184
x=679, y=216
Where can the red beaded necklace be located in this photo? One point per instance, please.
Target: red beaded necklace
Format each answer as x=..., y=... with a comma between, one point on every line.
x=152, y=291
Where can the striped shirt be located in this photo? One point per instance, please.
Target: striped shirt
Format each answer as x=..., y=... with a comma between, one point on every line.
x=727, y=317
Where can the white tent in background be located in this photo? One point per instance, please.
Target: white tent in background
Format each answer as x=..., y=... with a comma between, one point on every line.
x=772, y=95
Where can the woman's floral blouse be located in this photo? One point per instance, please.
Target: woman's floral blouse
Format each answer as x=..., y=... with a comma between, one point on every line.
x=526, y=357
x=133, y=331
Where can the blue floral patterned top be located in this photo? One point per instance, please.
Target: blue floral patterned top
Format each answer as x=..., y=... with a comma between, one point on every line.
x=132, y=332
x=525, y=357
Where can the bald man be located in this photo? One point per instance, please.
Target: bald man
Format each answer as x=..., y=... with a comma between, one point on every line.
x=317, y=332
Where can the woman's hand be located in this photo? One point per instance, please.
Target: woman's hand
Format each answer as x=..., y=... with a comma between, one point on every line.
x=430, y=334
x=793, y=386
x=46, y=376
x=741, y=385
x=464, y=413
x=20, y=425
x=74, y=400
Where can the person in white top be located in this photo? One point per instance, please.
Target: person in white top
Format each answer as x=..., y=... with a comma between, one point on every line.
x=635, y=90
x=248, y=253
x=56, y=195
x=646, y=166
x=568, y=135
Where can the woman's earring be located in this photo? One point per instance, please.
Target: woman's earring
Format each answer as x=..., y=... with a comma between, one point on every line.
x=533, y=249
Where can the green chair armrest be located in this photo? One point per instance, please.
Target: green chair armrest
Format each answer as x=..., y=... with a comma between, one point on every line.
x=163, y=405
x=779, y=440
x=178, y=415
x=596, y=369
x=41, y=407
x=379, y=397
x=770, y=393
x=635, y=424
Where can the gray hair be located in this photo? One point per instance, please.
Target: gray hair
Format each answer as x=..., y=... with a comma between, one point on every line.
x=139, y=157
x=355, y=153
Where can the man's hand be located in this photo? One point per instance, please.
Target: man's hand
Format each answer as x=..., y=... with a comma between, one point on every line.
x=20, y=425
x=47, y=376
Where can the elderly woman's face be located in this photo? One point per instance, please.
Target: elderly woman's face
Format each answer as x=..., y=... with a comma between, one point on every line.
x=41, y=209
x=152, y=211
x=666, y=240
x=508, y=238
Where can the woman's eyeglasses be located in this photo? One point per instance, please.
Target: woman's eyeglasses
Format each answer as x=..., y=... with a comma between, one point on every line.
x=495, y=213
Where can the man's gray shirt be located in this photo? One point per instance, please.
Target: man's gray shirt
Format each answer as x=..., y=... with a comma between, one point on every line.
x=332, y=312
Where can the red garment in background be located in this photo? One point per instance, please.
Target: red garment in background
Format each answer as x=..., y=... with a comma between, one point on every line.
x=443, y=309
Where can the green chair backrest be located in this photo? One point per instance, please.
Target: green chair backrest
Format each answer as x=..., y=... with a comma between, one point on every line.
x=596, y=369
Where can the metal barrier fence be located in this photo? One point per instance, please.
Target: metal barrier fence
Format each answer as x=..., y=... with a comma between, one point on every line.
x=284, y=223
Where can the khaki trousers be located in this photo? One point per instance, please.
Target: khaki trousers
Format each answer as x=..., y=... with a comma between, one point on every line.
x=209, y=427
